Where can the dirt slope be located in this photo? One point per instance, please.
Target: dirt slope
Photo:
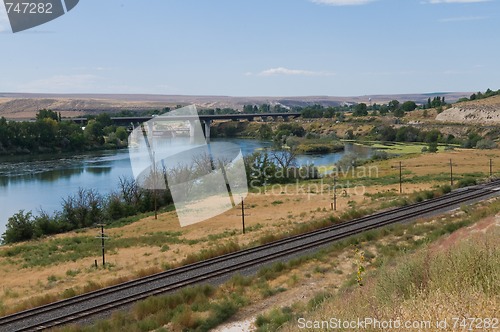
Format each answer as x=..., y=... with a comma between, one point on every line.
x=484, y=111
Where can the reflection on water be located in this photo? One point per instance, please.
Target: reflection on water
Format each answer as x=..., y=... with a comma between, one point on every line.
x=50, y=171
x=34, y=183
x=362, y=151
x=332, y=158
x=99, y=170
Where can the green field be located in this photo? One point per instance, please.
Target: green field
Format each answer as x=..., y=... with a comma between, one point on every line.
x=400, y=148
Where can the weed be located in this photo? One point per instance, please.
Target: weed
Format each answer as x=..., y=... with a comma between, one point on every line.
x=320, y=269
x=51, y=278
x=318, y=299
x=72, y=273
x=214, y=252
x=273, y=320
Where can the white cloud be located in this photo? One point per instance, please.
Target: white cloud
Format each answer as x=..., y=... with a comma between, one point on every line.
x=455, y=1
x=62, y=84
x=462, y=19
x=280, y=71
x=342, y=2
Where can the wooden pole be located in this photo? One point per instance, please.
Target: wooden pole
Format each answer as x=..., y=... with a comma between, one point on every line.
x=451, y=173
x=155, y=185
x=243, y=214
x=334, y=193
x=102, y=244
x=400, y=178
x=491, y=168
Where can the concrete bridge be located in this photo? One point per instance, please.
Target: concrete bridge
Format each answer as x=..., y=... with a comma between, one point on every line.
x=206, y=120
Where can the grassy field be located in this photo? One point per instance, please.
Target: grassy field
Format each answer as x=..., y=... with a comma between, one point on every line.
x=404, y=271
x=60, y=266
x=402, y=148
x=453, y=284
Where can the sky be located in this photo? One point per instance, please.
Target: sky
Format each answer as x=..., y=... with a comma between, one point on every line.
x=257, y=48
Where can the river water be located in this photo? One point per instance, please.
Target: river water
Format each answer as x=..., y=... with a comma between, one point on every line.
x=41, y=183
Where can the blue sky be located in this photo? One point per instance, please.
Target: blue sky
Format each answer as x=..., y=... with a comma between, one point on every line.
x=257, y=48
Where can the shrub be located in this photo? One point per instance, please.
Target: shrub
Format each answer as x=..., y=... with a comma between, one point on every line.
x=446, y=189
x=486, y=144
x=380, y=155
x=19, y=227
x=466, y=182
x=433, y=147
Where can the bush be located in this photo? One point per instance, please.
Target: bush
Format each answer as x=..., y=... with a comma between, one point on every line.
x=485, y=144
x=446, y=189
x=19, y=227
x=348, y=161
x=380, y=155
x=466, y=182
x=433, y=147
x=85, y=209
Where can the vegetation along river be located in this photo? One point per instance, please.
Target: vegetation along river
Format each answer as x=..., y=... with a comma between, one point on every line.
x=41, y=183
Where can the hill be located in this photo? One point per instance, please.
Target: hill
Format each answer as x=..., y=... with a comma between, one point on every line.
x=25, y=105
x=483, y=111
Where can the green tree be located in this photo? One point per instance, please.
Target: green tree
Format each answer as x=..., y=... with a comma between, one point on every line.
x=383, y=110
x=104, y=119
x=399, y=112
x=47, y=132
x=432, y=136
x=248, y=109
x=121, y=133
x=47, y=114
x=360, y=110
x=94, y=133
x=264, y=108
x=408, y=106
x=433, y=147
x=4, y=133
x=265, y=132
x=260, y=169
x=393, y=105
x=19, y=228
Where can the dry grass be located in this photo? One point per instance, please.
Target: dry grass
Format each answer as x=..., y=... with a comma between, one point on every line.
x=460, y=282
x=283, y=285
x=32, y=286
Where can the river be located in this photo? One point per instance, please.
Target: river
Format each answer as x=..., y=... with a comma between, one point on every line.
x=41, y=183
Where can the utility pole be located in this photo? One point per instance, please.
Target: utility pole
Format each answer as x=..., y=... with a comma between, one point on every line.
x=491, y=169
x=451, y=173
x=400, y=177
x=334, y=193
x=102, y=237
x=155, y=184
x=243, y=214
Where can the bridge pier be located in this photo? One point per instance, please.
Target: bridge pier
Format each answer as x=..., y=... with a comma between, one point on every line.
x=192, y=130
x=207, y=124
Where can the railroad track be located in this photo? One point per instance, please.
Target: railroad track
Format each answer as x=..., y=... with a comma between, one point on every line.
x=87, y=305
